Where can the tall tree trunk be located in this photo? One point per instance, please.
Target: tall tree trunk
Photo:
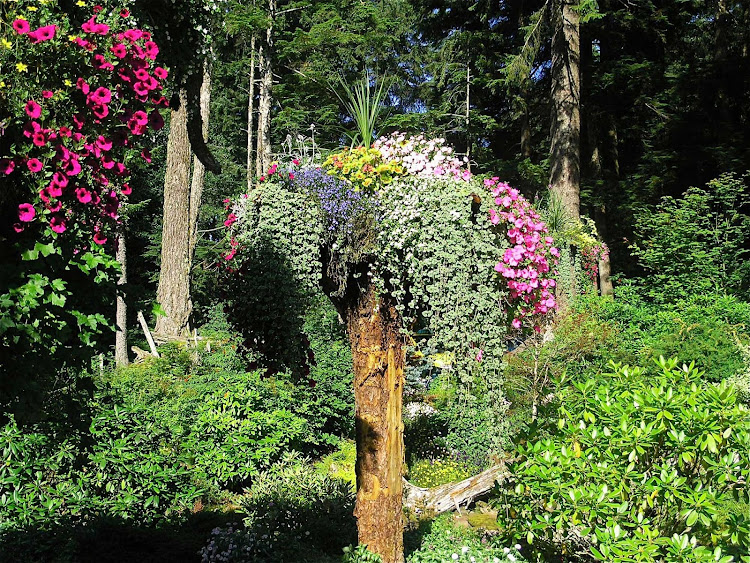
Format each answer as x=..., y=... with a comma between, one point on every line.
x=199, y=171
x=467, y=117
x=565, y=132
x=250, y=107
x=173, y=292
x=121, y=315
x=373, y=326
x=263, y=156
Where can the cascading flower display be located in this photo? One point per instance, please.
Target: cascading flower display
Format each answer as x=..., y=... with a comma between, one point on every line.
x=528, y=263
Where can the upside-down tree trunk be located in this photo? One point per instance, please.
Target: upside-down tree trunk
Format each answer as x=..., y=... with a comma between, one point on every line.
x=373, y=326
x=173, y=292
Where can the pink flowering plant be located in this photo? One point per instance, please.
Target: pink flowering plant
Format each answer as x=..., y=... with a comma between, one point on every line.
x=80, y=96
x=528, y=263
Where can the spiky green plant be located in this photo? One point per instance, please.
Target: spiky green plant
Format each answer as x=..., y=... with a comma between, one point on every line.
x=365, y=104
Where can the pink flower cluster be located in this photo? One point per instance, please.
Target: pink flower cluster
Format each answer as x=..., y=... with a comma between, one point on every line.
x=81, y=173
x=527, y=264
x=45, y=33
x=421, y=156
x=591, y=257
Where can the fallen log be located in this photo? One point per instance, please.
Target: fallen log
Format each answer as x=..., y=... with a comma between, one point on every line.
x=451, y=496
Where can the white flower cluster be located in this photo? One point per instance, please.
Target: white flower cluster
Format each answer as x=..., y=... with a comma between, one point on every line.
x=421, y=156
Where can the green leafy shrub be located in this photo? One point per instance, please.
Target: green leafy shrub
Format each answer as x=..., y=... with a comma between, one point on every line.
x=695, y=244
x=360, y=554
x=340, y=463
x=707, y=329
x=444, y=542
x=635, y=467
x=292, y=513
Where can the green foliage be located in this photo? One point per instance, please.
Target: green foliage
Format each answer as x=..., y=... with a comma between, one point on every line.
x=695, y=244
x=360, y=554
x=364, y=104
x=292, y=509
x=433, y=472
x=636, y=467
x=443, y=542
x=340, y=463
x=705, y=328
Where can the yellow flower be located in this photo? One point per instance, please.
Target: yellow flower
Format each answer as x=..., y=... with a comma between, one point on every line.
x=5, y=43
x=72, y=37
x=68, y=82
x=2, y=84
x=20, y=67
x=32, y=8
x=80, y=3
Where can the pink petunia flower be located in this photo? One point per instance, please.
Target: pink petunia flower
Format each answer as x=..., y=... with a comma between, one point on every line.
x=57, y=224
x=35, y=165
x=43, y=33
x=99, y=238
x=26, y=213
x=83, y=195
x=21, y=26
x=6, y=166
x=33, y=109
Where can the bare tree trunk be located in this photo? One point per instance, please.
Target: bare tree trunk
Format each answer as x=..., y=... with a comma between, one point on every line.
x=121, y=315
x=263, y=156
x=250, y=107
x=565, y=132
x=374, y=326
x=199, y=171
x=605, y=266
x=468, y=106
x=173, y=292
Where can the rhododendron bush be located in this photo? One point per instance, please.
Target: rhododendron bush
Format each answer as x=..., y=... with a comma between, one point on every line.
x=80, y=96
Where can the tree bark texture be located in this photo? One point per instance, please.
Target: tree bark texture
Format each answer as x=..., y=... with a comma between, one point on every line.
x=173, y=292
x=565, y=132
x=194, y=121
x=263, y=156
x=199, y=170
x=373, y=326
x=250, y=108
x=121, y=314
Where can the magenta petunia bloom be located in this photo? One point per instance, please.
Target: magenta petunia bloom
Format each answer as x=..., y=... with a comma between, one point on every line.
x=57, y=223
x=33, y=109
x=6, y=166
x=43, y=33
x=35, y=165
x=119, y=50
x=47, y=94
x=21, y=26
x=26, y=213
x=99, y=238
x=126, y=189
x=83, y=195
x=18, y=227
x=101, y=95
x=160, y=73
